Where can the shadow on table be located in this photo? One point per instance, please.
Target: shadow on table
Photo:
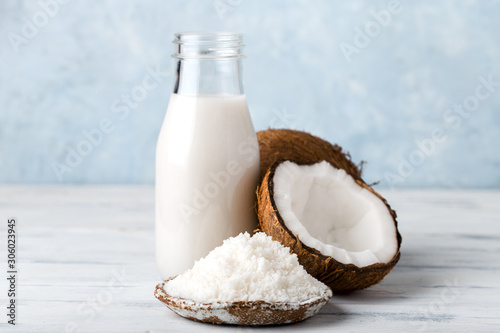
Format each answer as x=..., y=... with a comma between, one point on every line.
x=327, y=317
x=418, y=273
x=329, y=314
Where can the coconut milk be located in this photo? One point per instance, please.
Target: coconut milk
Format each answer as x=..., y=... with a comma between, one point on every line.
x=207, y=171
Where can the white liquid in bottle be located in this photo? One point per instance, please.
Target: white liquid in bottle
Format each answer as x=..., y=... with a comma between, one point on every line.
x=207, y=172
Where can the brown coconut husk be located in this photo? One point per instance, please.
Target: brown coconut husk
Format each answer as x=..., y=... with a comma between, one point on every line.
x=286, y=144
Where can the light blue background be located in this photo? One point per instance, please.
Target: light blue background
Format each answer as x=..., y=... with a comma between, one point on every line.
x=65, y=78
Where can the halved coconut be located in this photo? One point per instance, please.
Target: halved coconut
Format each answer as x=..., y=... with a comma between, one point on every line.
x=343, y=232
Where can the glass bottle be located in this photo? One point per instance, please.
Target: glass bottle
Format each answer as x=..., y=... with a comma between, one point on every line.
x=207, y=155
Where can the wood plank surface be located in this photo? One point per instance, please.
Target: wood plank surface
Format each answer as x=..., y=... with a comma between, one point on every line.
x=85, y=259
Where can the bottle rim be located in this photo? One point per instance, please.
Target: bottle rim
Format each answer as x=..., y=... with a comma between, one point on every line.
x=208, y=45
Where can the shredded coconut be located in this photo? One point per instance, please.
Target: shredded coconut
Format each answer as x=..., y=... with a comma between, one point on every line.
x=246, y=268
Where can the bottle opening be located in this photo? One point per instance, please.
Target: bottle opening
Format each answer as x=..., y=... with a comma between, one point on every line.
x=208, y=45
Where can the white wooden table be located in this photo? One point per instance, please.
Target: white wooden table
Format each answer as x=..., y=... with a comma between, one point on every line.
x=86, y=264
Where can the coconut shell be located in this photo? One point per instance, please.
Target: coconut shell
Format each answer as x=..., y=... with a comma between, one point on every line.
x=242, y=313
x=276, y=144
x=341, y=278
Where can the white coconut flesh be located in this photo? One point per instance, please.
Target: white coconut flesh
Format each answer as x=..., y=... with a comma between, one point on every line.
x=328, y=211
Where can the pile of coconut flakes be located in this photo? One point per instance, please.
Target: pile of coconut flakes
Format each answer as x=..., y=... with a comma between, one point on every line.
x=246, y=268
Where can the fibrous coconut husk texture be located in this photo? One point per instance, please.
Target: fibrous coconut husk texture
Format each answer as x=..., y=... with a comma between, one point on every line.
x=287, y=144
x=341, y=278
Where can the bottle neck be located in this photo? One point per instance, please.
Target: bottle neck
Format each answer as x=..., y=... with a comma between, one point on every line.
x=208, y=63
x=208, y=76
